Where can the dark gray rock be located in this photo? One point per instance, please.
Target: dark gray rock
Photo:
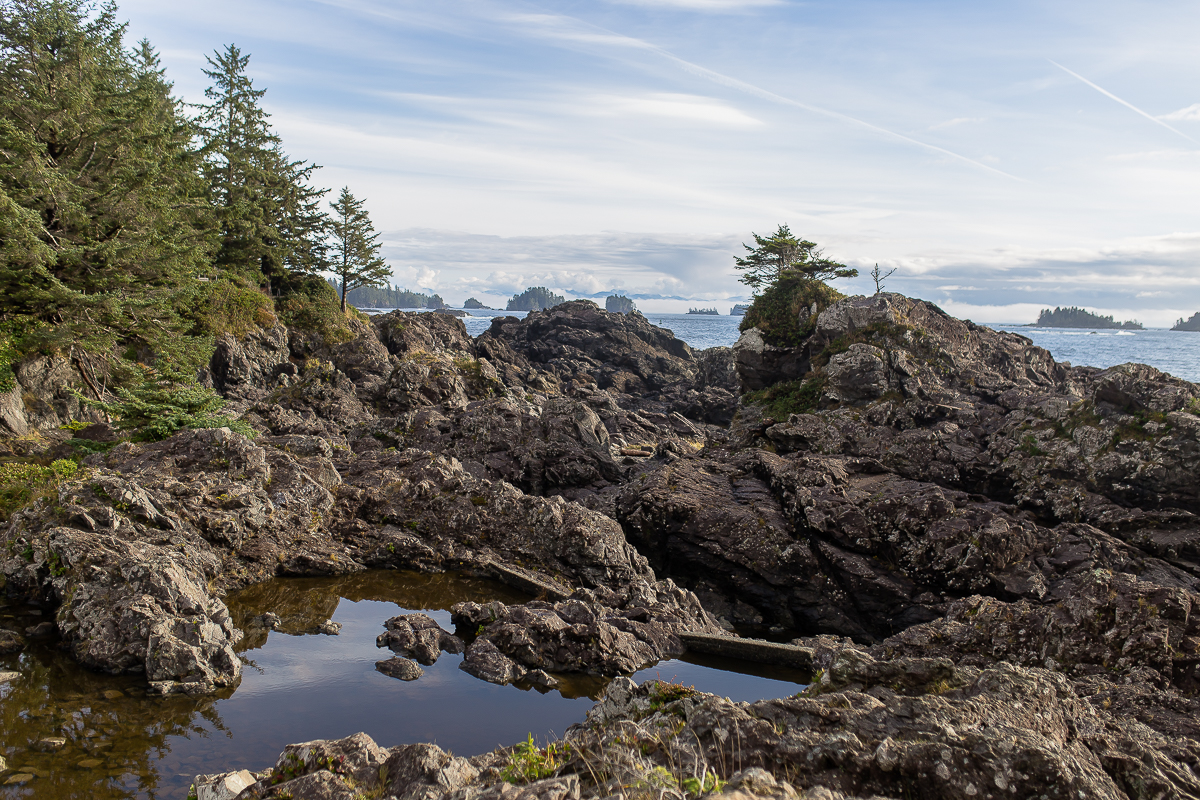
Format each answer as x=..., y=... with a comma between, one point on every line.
x=485, y=661
x=419, y=637
x=402, y=668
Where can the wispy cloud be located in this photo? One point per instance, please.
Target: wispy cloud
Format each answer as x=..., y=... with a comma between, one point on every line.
x=571, y=29
x=703, y=5
x=1192, y=113
x=690, y=108
x=1128, y=105
x=951, y=123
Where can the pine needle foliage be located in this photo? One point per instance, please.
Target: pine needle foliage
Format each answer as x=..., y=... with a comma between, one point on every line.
x=355, y=246
x=269, y=216
x=166, y=402
x=102, y=214
x=782, y=255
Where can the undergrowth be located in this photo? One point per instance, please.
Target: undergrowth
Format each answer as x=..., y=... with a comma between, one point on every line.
x=24, y=482
x=789, y=397
x=777, y=311
x=165, y=402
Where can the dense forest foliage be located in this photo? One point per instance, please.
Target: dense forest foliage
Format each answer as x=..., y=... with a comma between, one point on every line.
x=389, y=297
x=535, y=298
x=1073, y=317
x=135, y=229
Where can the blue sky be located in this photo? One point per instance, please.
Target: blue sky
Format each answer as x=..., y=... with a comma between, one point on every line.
x=1003, y=157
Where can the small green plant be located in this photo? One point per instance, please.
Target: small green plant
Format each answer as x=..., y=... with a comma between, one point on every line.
x=789, y=397
x=662, y=693
x=1029, y=446
x=57, y=567
x=527, y=762
x=23, y=482
x=165, y=402
x=707, y=783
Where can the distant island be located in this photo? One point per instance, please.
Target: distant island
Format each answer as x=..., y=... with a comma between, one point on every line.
x=472, y=303
x=1073, y=317
x=1192, y=323
x=388, y=297
x=535, y=298
x=708, y=311
x=619, y=304
x=739, y=310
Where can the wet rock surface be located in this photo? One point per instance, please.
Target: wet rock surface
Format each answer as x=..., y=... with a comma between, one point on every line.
x=994, y=557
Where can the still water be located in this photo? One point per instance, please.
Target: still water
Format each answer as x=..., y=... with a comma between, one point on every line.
x=295, y=687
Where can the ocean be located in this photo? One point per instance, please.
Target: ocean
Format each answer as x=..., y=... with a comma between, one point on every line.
x=1176, y=352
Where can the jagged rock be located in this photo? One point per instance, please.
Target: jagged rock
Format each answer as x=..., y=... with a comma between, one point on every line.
x=485, y=661
x=578, y=339
x=402, y=668
x=419, y=637
x=760, y=364
x=252, y=362
x=454, y=514
x=41, y=398
x=595, y=632
x=404, y=333
x=225, y=786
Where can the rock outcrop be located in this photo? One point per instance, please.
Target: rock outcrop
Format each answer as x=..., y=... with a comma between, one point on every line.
x=993, y=557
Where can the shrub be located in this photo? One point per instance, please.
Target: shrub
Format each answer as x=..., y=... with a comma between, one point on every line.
x=229, y=306
x=166, y=402
x=776, y=312
x=23, y=482
x=789, y=397
x=311, y=304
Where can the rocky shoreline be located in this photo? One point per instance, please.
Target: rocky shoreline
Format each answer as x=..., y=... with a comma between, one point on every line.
x=993, y=558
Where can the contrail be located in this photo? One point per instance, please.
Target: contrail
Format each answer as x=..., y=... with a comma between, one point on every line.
x=749, y=88
x=765, y=94
x=1107, y=93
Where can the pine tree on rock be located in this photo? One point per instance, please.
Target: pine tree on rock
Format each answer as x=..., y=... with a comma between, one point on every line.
x=356, y=246
x=270, y=218
x=102, y=214
x=782, y=254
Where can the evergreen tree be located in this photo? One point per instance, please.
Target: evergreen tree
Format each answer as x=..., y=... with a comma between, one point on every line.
x=269, y=216
x=356, y=246
x=102, y=219
x=781, y=254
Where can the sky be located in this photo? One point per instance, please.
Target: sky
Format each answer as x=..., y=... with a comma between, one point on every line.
x=1001, y=157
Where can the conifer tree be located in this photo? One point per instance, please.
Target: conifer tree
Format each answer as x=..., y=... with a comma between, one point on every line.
x=782, y=254
x=101, y=209
x=356, y=246
x=269, y=216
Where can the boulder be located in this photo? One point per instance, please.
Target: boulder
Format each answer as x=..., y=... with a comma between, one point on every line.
x=419, y=637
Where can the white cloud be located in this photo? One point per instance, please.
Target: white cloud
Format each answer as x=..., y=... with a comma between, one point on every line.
x=950, y=123
x=687, y=107
x=703, y=5
x=1192, y=113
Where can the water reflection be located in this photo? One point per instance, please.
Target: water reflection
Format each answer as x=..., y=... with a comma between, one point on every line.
x=119, y=743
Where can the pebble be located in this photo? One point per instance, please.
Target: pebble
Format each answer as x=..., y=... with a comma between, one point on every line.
x=37, y=772
x=3, y=764
x=90, y=763
x=329, y=627
x=113, y=694
x=5, y=677
x=50, y=743
x=20, y=777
